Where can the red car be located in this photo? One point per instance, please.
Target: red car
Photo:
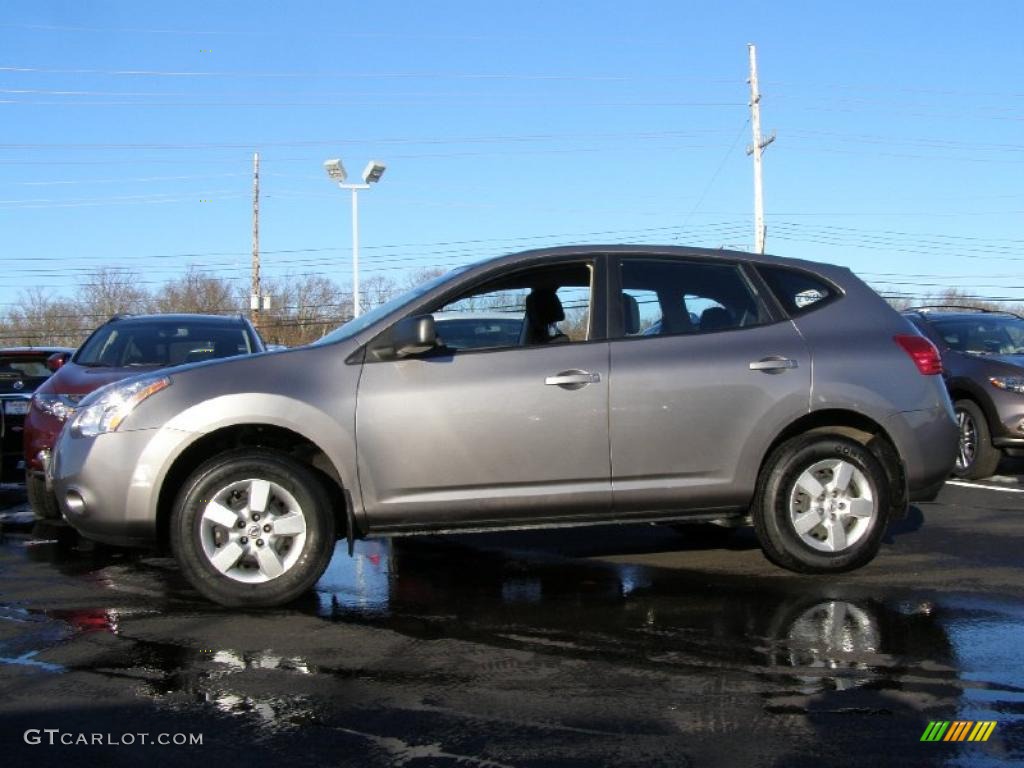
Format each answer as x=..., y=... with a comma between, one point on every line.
x=124, y=346
x=22, y=371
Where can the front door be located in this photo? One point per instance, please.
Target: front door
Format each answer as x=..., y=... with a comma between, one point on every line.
x=498, y=426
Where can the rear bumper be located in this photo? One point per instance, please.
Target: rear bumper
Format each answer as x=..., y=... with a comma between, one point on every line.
x=927, y=442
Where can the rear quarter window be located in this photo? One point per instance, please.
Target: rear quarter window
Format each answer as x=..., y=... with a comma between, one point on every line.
x=797, y=291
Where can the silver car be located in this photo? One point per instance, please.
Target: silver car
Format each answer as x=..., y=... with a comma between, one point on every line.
x=631, y=383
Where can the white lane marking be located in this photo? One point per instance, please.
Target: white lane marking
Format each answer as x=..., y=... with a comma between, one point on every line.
x=984, y=487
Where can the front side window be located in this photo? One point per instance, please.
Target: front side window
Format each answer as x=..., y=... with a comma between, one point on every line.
x=663, y=297
x=547, y=305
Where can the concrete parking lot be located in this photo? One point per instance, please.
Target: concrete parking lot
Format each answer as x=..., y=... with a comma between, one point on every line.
x=620, y=645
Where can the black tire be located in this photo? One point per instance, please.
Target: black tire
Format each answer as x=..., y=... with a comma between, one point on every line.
x=984, y=460
x=43, y=502
x=253, y=463
x=779, y=539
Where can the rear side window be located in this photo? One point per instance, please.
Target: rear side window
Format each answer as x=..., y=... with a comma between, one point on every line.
x=798, y=292
x=662, y=297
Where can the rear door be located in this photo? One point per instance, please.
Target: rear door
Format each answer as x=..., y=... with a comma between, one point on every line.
x=704, y=374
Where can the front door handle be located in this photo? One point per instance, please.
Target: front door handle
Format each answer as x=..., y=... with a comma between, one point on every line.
x=773, y=364
x=573, y=379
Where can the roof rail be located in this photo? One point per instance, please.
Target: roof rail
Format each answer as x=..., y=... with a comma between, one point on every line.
x=931, y=307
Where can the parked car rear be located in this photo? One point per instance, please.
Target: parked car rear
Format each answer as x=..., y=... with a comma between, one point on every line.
x=22, y=371
x=124, y=346
x=785, y=390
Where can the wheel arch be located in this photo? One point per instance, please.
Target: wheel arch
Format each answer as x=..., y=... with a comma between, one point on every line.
x=960, y=389
x=254, y=435
x=860, y=428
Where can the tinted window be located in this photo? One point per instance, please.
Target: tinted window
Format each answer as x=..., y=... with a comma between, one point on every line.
x=796, y=291
x=664, y=297
x=23, y=367
x=163, y=343
x=982, y=334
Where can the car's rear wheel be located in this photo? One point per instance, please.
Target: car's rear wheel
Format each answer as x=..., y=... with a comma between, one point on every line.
x=43, y=502
x=253, y=528
x=977, y=457
x=822, y=504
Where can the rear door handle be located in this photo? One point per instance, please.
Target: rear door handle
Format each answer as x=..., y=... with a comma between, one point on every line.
x=573, y=379
x=773, y=364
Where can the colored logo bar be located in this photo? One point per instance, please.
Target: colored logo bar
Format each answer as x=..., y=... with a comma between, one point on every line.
x=958, y=730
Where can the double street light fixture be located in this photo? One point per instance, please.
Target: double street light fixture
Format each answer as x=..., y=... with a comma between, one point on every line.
x=371, y=175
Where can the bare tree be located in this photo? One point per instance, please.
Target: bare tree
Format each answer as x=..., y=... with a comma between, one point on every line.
x=303, y=309
x=39, y=319
x=376, y=290
x=108, y=292
x=195, y=291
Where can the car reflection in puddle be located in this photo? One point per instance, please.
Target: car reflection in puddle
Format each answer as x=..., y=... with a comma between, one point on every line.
x=416, y=619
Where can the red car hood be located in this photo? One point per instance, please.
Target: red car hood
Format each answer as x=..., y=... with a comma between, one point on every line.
x=74, y=379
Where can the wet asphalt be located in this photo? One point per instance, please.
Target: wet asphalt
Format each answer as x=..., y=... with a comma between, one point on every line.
x=618, y=645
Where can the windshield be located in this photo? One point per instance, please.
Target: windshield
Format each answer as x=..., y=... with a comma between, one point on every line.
x=354, y=326
x=984, y=335
x=162, y=343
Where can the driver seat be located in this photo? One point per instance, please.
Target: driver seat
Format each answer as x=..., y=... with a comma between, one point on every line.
x=543, y=310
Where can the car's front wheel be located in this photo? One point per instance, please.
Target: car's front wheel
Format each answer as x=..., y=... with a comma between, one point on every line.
x=253, y=528
x=822, y=504
x=42, y=501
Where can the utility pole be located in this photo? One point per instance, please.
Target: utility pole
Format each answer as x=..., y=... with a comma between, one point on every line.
x=755, y=149
x=254, y=298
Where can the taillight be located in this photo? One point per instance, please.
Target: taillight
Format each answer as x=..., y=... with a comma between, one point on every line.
x=924, y=354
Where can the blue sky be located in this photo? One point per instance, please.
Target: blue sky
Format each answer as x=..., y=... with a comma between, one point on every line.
x=127, y=132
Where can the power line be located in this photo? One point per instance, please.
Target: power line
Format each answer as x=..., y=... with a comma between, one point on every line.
x=333, y=142
x=350, y=75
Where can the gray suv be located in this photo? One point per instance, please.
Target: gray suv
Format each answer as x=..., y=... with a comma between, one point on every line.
x=983, y=365
x=780, y=389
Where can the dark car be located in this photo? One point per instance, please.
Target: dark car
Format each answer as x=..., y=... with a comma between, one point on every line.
x=22, y=370
x=983, y=365
x=124, y=346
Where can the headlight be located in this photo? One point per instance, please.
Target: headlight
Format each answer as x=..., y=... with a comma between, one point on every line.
x=61, y=407
x=105, y=409
x=1009, y=383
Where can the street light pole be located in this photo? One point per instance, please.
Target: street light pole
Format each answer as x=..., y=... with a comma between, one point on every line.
x=355, y=244
x=371, y=175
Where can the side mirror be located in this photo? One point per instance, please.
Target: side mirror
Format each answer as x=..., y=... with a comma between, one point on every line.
x=56, y=361
x=414, y=335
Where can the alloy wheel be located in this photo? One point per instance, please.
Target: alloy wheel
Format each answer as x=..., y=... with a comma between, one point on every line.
x=252, y=530
x=968, y=451
x=831, y=505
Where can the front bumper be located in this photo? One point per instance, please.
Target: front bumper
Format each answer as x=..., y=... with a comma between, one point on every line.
x=107, y=486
